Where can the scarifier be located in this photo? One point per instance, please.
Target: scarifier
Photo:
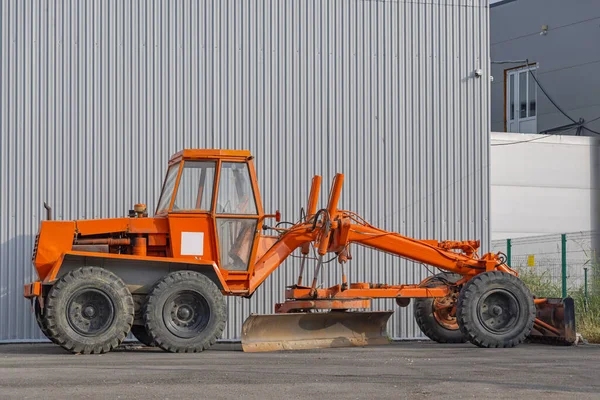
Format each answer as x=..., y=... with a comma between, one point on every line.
x=164, y=278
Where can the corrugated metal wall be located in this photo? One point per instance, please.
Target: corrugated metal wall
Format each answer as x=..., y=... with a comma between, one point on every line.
x=95, y=96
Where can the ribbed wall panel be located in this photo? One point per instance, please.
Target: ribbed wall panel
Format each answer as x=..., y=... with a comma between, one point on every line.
x=96, y=95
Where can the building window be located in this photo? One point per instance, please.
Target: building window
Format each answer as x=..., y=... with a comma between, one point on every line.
x=521, y=100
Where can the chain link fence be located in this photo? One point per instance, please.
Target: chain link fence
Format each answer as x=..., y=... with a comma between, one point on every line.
x=563, y=260
x=561, y=265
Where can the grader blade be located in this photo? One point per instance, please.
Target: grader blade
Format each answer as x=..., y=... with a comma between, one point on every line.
x=555, y=322
x=301, y=331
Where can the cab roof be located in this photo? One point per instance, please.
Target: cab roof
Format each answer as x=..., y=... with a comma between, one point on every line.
x=195, y=154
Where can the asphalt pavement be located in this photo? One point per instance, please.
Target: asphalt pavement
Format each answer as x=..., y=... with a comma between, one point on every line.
x=416, y=370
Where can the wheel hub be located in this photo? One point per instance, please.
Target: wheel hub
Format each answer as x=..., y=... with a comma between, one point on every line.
x=90, y=312
x=444, y=311
x=186, y=313
x=498, y=311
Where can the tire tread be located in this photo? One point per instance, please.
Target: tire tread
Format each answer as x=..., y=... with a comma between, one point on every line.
x=53, y=314
x=152, y=304
x=428, y=325
x=469, y=292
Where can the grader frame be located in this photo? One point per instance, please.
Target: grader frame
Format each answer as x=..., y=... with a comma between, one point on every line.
x=206, y=239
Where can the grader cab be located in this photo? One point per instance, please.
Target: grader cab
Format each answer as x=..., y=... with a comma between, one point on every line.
x=163, y=278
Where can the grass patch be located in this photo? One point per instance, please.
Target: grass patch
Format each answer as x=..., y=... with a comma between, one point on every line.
x=587, y=315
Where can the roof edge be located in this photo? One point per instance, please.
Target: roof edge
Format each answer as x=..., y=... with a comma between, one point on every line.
x=501, y=3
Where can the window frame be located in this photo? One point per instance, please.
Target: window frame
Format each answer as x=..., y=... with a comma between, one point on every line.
x=514, y=72
x=176, y=189
x=252, y=245
x=259, y=217
x=177, y=167
x=252, y=188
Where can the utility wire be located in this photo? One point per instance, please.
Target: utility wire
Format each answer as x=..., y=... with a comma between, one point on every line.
x=591, y=130
x=592, y=120
x=548, y=96
x=581, y=123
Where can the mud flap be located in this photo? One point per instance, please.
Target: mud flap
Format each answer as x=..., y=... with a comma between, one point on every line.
x=555, y=322
x=301, y=331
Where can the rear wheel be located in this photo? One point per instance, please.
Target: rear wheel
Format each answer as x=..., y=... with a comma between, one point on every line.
x=495, y=309
x=436, y=319
x=89, y=310
x=185, y=312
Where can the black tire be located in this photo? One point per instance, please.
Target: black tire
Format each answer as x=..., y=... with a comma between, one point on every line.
x=495, y=309
x=40, y=318
x=89, y=311
x=142, y=335
x=429, y=322
x=185, y=312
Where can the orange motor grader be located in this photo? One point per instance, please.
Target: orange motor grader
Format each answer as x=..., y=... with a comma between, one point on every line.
x=164, y=278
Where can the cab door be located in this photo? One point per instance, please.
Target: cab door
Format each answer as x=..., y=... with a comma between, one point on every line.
x=190, y=222
x=237, y=215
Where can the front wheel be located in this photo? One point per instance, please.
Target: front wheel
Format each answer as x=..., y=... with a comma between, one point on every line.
x=40, y=318
x=89, y=310
x=495, y=309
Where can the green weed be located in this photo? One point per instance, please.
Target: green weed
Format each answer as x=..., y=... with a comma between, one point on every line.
x=587, y=313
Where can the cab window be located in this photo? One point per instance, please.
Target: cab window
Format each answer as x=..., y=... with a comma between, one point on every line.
x=167, y=191
x=195, y=191
x=236, y=237
x=236, y=195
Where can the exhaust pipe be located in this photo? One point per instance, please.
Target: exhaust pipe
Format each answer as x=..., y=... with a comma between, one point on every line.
x=48, y=211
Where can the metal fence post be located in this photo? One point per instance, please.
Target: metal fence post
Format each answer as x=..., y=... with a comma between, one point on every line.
x=563, y=271
x=585, y=289
x=508, y=251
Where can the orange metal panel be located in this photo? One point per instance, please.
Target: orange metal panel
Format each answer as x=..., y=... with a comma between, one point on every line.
x=219, y=153
x=58, y=263
x=99, y=226
x=56, y=237
x=269, y=262
x=264, y=244
x=149, y=225
x=157, y=240
x=33, y=289
x=196, y=154
x=194, y=223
